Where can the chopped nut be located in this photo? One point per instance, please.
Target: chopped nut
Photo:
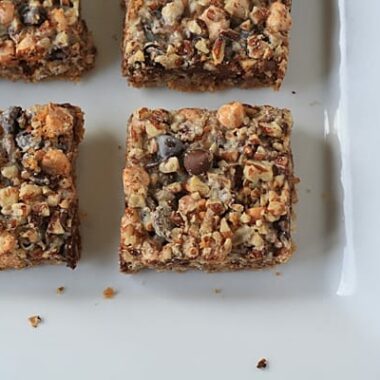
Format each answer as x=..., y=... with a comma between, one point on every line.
x=190, y=250
x=10, y=171
x=256, y=213
x=137, y=201
x=6, y=13
x=257, y=241
x=62, y=39
x=187, y=204
x=35, y=320
x=279, y=19
x=175, y=187
x=137, y=57
x=216, y=21
x=7, y=51
x=231, y=115
x=238, y=8
x=194, y=27
x=8, y=196
x=19, y=210
x=169, y=61
x=276, y=208
x=272, y=129
x=257, y=49
x=58, y=122
x=216, y=206
x=170, y=166
x=224, y=228
x=153, y=130
x=55, y=162
x=58, y=16
x=26, y=46
x=172, y=11
x=136, y=181
x=201, y=45
x=53, y=200
x=7, y=243
x=258, y=170
x=55, y=226
x=196, y=185
x=245, y=218
x=258, y=14
x=29, y=193
x=218, y=51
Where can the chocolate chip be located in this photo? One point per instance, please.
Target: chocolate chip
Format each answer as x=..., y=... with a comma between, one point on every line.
x=40, y=179
x=151, y=50
x=33, y=15
x=197, y=161
x=26, y=244
x=63, y=143
x=169, y=146
x=57, y=54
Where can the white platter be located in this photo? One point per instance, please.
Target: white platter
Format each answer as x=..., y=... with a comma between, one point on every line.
x=318, y=320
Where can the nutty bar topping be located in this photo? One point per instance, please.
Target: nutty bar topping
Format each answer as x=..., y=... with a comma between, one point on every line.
x=243, y=37
x=222, y=192
x=38, y=202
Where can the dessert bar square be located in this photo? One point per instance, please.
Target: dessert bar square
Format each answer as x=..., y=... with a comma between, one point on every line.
x=38, y=201
x=212, y=190
x=44, y=38
x=205, y=45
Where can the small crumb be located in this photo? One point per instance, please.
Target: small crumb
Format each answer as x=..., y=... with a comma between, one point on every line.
x=217, y=291
x=60, y=290
x=293, y=92
x=262, y=363
x=308, y=191
x=109, y=293
x=119, y=147
x=278, y=274
x=115, y=37
x=35, y=320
